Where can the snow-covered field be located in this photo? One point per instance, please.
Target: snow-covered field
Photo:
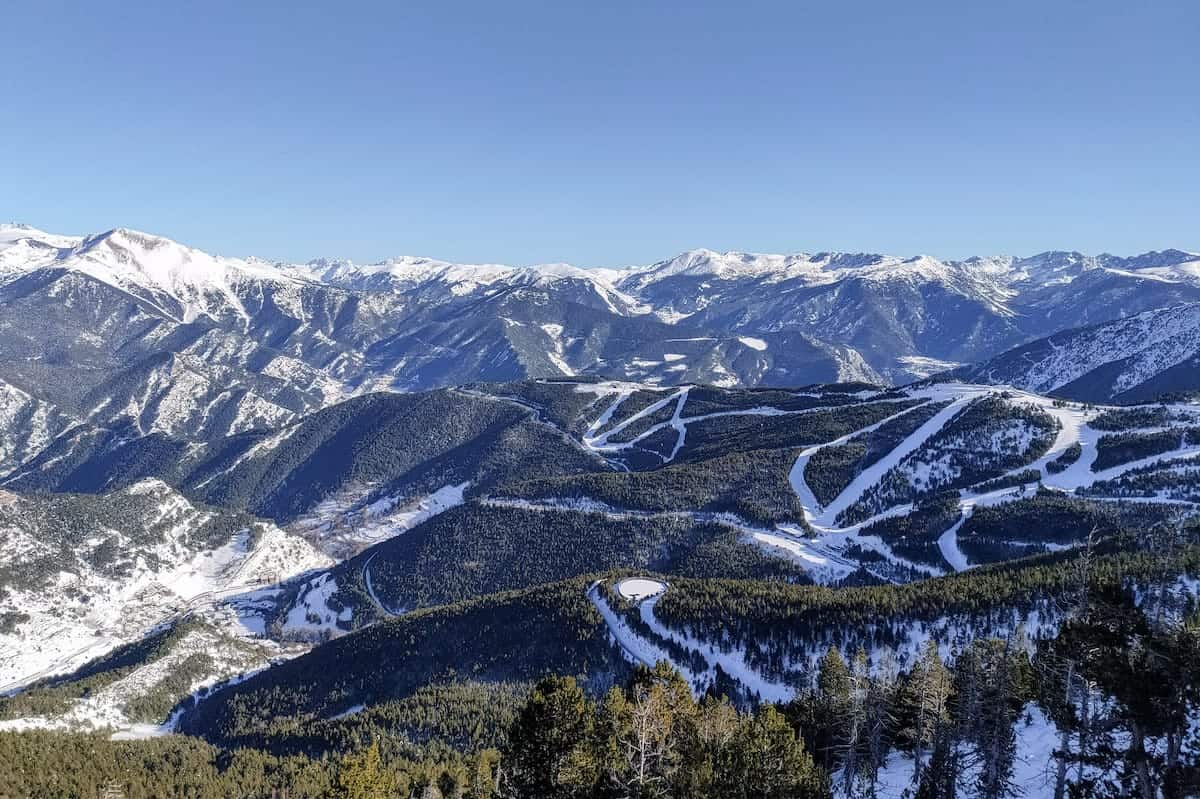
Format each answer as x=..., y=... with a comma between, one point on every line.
x=346, y=523
x=635, y=589
x=85, y=613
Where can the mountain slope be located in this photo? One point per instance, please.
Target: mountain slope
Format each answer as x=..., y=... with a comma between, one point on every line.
x=82, y=574
x=752, y=640
x=1130, y=360
x=391, y=444
x=450, y=495
x=892, y=310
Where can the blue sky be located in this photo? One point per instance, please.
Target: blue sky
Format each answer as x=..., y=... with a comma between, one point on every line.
x=606, y=133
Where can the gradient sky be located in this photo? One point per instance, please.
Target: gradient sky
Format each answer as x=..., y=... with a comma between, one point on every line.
x=606, y=133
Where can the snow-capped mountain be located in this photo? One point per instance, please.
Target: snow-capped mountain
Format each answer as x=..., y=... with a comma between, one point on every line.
x=1134, y=359
x=897, y=311
x=132, y=333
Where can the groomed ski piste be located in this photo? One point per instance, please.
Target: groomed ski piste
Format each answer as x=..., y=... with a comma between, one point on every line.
x=645, y=592
x=616, y=393
x=822, y=549
x=654, y=641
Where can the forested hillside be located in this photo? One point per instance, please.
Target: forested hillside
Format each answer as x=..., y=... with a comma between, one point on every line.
x=397, y=584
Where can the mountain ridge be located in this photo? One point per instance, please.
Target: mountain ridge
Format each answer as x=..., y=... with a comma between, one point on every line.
x=699, y=261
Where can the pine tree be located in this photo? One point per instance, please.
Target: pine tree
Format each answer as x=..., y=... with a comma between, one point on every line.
x=831, y=703
x=767, y=761
x=484, y=775
x=940, y=779
x=552, y=749
x=854, y=722
x=362, y=776
x=647, y=729
x=709, y=738
x=926, y=693
x=883, y=695
x=996, y=741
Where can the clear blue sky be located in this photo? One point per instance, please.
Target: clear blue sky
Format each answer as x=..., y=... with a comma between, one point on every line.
x=606, y=133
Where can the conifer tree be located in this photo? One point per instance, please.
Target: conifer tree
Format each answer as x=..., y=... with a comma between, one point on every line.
x=926, y=694
x=362, y=776
x=996, y=738
x=766, y=760
x=551, y=747
x=647, y=729
x=831, y=703
x=853, y=722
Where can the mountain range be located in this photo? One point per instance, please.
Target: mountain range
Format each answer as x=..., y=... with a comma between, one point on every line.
x=138, y=334
x=291, y=509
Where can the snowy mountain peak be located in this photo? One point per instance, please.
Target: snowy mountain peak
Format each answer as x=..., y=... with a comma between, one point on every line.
x=157, y=268
x=135, y=257
x=726, y=266
x=408, y=272
x=12, y=233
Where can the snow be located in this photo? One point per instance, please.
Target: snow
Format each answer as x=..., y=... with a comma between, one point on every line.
x=1033, y=763
x=826, y=516
x=821, y=554
x=344, y=523
x=370, y=586
x=311, y=614
x=560, y=364
x=753, y=343
x=105, y=708
x=639, y=649
x=158, y=270
x=599, y=443
x=186, y=283
x=1144, y=344
x=141, y=732
x=90, y=613
x=636, y=589
x=948, y=545
x=350, y=711
x=635, y=648
x=266, y=445
x=922, y=366
x=27, y=425
x=822, y=564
